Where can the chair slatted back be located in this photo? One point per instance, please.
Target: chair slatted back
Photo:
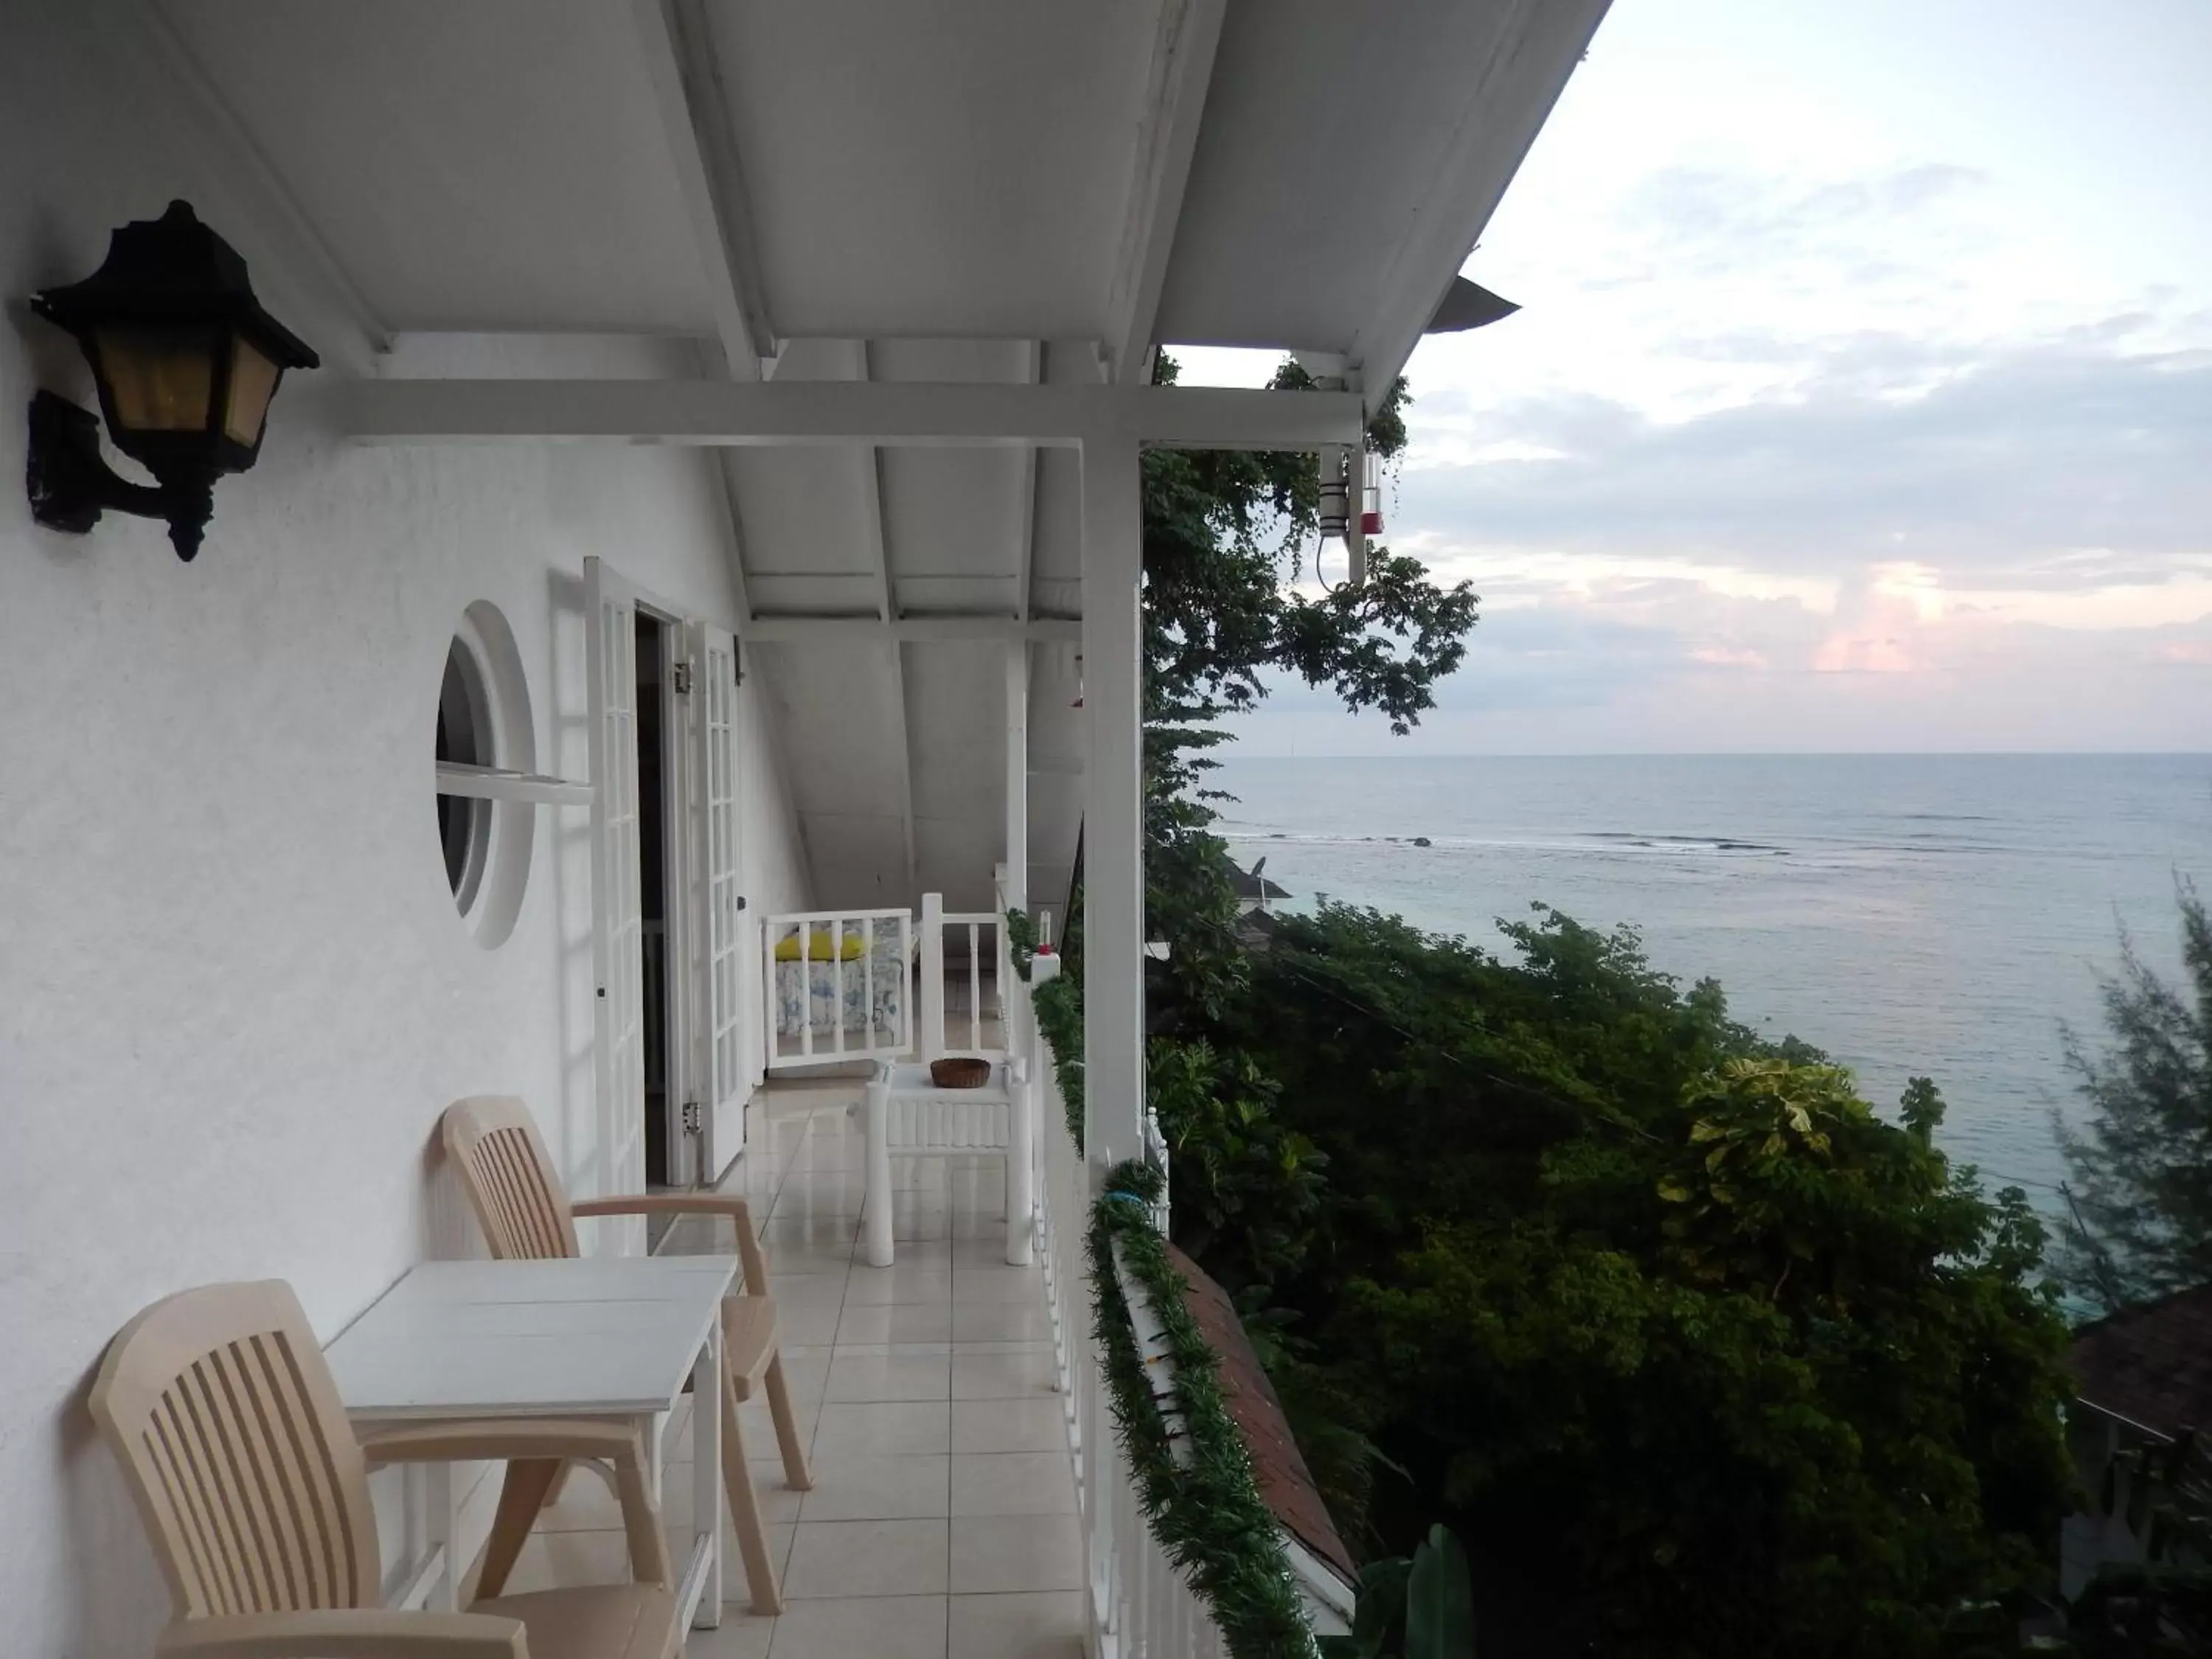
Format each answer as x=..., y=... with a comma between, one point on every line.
x=221, y=1410
x=518, y=1198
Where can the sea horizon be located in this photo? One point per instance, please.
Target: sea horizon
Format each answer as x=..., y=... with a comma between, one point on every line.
x=1907, y=917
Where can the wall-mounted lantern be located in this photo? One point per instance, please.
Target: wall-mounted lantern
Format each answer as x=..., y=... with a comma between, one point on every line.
x=186, y=362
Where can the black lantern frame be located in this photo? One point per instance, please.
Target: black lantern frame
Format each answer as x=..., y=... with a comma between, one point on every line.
x=186, y=362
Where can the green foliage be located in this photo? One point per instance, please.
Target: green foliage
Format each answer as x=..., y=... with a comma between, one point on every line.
x=1698, y=1352
x=1422, y=1608
x=1195, y=1481
x=1057, y=1004
x=2141, y=1224
x=1247, y=1189
x=1225, y=532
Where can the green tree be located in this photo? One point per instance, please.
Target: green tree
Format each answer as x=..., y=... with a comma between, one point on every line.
x=1699, y=1353
x=2141, y=1221
x=1226, y=533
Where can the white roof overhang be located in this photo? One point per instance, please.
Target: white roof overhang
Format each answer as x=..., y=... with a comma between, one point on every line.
x=884, y=258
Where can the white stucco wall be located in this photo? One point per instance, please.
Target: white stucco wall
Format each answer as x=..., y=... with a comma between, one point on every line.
x=234, y=993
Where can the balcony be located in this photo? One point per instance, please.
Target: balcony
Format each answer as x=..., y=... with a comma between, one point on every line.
x=943, y=1522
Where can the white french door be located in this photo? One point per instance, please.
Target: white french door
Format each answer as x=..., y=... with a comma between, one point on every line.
x=725, y=1050
x=618, y=922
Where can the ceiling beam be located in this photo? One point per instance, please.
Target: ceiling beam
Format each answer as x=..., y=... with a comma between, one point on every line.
x=1535, y=48
x=1187, y=33
x=678, y=46
x=801, y=412
x=871, y=506
x=913, y=631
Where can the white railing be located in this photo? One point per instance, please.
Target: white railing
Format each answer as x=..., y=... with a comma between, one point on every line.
x=822, y=1005
x=984, y=933
x=1140, y=1604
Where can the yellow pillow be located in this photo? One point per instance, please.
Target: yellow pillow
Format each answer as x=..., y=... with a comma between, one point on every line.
x=820, y=947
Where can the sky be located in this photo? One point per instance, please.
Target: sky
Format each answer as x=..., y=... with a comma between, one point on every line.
x=1861, y=399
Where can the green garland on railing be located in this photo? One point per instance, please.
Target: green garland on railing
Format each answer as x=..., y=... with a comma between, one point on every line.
x=1206, y=1512
x=1058, y=1005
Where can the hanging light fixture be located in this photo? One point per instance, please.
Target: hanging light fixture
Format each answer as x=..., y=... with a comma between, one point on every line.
x=186, y=360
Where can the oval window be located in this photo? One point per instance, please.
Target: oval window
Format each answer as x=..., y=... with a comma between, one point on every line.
x=464, y=737
x=483, y=724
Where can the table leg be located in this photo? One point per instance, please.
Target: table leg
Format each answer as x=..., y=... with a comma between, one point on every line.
x=706, y=1473
x=441, y=1516
x=1020, y=1164
x=879, y=1175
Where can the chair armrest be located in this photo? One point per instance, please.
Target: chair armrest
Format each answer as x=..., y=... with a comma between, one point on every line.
x=729, y=1204
x=528, y=1438
x=345, y=1633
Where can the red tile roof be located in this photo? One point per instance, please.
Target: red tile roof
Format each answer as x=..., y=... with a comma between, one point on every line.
x=1285, y=1481
x=2152, y=1365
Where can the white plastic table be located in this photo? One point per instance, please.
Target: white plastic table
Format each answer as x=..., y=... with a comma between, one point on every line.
x=909, y=1115
x=611, y=1338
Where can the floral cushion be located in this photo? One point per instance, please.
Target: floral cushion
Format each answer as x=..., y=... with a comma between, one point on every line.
x=813, y=986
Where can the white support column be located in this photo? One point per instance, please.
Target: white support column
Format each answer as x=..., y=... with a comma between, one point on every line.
x=1017, y=775
x=1113, y=816
x=929, y=1040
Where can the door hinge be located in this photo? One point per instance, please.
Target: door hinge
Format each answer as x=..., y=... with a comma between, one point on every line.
x=691, y=1124
x=680, y=677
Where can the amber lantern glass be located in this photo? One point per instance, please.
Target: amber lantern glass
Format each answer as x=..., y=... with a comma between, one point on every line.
x=253, y=383
x=157, y=380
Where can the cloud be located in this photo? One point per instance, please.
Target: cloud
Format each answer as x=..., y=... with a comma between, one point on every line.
x=1780, y=459
x=2036, y=462
x=1713, y=220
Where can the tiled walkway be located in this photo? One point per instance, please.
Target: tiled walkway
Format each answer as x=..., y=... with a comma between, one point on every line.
x=942, y=1522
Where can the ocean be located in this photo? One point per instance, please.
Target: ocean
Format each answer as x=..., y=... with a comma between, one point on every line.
x=1921, y=915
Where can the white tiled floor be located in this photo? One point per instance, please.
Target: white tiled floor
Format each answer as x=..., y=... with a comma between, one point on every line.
x=942, y=1521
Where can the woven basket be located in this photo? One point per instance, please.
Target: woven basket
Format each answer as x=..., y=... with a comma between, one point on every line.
x=962, y=1072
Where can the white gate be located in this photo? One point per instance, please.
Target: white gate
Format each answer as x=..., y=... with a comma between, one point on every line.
x=836, y=985
x=725, y=1065
x=618, y=927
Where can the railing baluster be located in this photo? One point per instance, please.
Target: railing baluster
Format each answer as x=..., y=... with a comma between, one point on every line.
x=868, y=974
x=837, y=984
x=806, y=990
x=771, y=1043
x=974, y=988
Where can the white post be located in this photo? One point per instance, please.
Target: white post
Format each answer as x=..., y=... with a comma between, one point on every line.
x=877, y=1105
x=931, y=1038
x=1113, y=814
x=1017, y=776
x=1021, y=1159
